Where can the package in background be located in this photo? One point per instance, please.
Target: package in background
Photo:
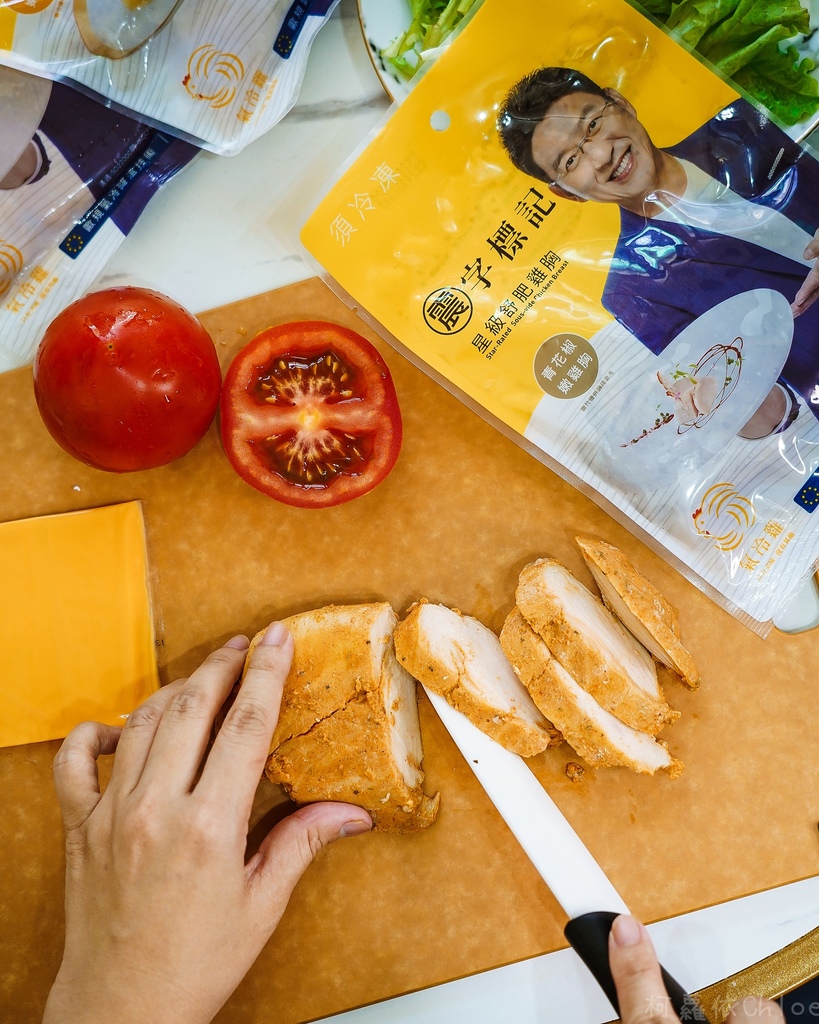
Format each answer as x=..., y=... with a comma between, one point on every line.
x=218, y=73
x=599, y=245
x=74, y=178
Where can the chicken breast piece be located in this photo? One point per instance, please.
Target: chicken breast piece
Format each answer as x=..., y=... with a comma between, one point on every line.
x=692, y=398
x=348, y=727
x=593, y=647
x=705, y=394
x=599, y=737
x=640, y=607
x=460, y=658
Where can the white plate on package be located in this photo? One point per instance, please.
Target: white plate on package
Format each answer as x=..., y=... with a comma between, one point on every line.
x=652, y=440
x=23, y=99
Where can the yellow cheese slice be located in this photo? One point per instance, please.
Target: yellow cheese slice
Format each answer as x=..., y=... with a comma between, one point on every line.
x=76, y=628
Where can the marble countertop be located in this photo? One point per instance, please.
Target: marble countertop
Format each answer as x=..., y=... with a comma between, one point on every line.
x=225, y=229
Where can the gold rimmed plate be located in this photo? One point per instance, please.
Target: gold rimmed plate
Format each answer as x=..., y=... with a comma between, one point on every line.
x=382, y=21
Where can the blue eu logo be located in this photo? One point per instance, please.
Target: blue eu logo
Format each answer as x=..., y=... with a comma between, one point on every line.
x=808, y=496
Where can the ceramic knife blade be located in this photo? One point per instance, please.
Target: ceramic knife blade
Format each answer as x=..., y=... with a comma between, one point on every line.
x=574, y=877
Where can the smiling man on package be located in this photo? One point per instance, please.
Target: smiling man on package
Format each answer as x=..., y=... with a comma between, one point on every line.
x=732, y=207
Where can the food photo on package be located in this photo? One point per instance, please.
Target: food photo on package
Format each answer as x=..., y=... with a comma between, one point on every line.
x=608, y=250
x=75, y=176
x=101, y=103
x=218, y=73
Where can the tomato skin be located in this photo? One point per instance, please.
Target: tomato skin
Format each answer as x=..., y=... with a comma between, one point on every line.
x=126, y=379
x=352, y=410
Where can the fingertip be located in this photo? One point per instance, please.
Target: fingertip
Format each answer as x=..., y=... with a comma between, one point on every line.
x=74, y=769
x=276, y=635
x=627, y=931
x=636, y=971
x=332, y=816
x=355, y=827
x=96, y=737
x=293, y=843
x=274, y=649
x=238, y=643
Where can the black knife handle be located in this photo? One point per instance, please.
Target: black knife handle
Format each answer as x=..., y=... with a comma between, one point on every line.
x=589, y=937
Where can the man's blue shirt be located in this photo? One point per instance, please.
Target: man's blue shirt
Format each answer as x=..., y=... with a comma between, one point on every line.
x=664, y=274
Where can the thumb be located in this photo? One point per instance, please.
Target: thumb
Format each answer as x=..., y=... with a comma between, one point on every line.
x=289, y=848
x=636, y=972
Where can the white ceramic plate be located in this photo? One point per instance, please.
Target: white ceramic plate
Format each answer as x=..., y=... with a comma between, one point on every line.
x=382, y=21
x=809, y=47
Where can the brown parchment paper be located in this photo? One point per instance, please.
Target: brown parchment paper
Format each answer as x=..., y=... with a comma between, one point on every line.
x=457, y=519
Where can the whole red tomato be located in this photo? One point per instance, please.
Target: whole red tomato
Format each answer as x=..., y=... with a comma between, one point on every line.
x=126, y=379
x=309, y=414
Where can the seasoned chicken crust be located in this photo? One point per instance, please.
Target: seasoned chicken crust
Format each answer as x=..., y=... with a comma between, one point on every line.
x=640, y=607
x=348, y=727
x=600, y=738
x=461, y=659
x=593, y=647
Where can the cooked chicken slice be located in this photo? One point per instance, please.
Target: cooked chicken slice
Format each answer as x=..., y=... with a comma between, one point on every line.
x=461, y=659
x=593, y=732
x=705, y=394
x=592, y=646
x=692, y=398
x=640, y=607
x=348, y=728
x=116, y=28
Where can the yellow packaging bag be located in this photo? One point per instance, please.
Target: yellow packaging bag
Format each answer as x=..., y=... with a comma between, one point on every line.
x=600, y=246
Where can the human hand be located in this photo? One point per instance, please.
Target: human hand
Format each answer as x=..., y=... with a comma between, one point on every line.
x=640, y=989
x=163, y=916
x=809, y=292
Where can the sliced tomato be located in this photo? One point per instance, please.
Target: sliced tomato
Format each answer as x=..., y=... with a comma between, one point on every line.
x=309, y=414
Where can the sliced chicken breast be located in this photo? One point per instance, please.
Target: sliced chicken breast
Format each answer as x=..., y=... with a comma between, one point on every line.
x=600, y=738
x=348, y=728
x=460, y=658
x=116, y=28
x=705, y=394
x=593, y=647
x=692, y=398
x=640, y=607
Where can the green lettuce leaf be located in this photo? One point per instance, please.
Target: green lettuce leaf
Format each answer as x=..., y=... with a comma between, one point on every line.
x=782, y=82
x=730, y=57
x=659, y=8
x=693, y=18
x=741, y=38
x=750, y=20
